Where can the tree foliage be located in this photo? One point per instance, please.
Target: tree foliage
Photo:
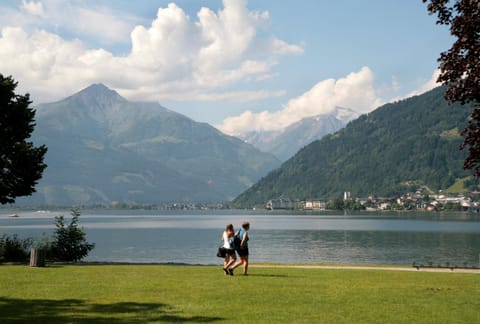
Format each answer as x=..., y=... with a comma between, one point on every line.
x=69, y=242
x=460, y=66
x=21, y=164
x=14, y=249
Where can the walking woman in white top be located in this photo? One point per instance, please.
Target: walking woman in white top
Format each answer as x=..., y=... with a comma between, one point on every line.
x=227, y=239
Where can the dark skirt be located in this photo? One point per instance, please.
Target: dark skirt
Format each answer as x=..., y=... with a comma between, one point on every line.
x=243, y=252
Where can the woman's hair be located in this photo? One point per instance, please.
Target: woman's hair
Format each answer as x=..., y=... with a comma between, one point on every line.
x=229, y=227
x=246, y=225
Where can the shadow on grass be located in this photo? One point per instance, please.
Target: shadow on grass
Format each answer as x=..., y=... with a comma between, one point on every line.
x=14, y=310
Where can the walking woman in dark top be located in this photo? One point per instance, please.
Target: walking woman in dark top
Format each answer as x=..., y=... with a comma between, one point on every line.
x=242, y=250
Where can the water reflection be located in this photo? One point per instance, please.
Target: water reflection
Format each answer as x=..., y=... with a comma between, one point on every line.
x=192, y=237
x=369, y=247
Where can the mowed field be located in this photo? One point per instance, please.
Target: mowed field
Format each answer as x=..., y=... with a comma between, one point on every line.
x=183, y=293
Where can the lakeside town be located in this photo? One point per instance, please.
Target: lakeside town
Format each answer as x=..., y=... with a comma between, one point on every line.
x=418, y=201
x=421, y=200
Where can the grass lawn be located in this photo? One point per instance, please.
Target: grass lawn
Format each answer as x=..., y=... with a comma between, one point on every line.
x=162, y=293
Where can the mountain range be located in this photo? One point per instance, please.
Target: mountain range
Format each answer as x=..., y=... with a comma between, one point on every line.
x=103, y=148
x=396, y=148
x=286, y=142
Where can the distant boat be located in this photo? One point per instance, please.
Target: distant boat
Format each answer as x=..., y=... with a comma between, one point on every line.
x=14, y=215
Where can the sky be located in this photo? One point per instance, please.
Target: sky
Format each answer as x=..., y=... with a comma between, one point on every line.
x=239, y=65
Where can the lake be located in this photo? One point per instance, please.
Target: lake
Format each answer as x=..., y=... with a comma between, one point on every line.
x=192, y=237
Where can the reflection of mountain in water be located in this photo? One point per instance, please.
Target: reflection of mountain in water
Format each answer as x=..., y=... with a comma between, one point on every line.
x=370, y=247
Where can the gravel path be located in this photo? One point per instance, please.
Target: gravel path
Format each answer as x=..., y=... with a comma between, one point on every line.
x=358, y=267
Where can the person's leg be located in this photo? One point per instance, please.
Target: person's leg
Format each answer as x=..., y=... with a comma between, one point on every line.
x=239, y=263
x=227, y=259
x=245, y=265
x=228, y=270
x=231, y=261
x=226, y=263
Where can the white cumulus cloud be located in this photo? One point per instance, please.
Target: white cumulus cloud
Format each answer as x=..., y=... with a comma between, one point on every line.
x=99, y=23
x=424, y=87
x=176, y=57
x=33, y=8
x=429, y=85
x=355, y=91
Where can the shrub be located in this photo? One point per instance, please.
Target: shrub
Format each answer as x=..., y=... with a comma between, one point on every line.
x=44, y=244
x=14, y=249
x=69, y=243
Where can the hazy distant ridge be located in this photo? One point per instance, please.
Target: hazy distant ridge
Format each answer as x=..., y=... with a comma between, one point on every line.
x=286, y=142
x=103, y=148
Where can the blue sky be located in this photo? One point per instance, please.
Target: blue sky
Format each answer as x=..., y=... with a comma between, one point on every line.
x=236, y=64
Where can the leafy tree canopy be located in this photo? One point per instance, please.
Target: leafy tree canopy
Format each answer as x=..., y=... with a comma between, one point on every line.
x=460, y=66
x=21, y=164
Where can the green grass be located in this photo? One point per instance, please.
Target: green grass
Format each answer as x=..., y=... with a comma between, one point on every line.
x=458, y=186
x=156, y=293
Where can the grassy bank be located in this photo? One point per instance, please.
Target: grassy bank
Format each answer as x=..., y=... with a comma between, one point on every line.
x=156, y=293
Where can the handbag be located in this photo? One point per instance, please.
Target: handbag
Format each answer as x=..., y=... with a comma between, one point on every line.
x=221, y=252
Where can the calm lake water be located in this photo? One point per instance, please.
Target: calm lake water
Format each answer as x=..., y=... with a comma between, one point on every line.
x=295, y=237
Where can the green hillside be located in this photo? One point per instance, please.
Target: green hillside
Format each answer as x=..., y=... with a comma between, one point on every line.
x=414, y=141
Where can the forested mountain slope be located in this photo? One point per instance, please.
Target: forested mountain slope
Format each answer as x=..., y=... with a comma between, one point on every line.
x=413, y=141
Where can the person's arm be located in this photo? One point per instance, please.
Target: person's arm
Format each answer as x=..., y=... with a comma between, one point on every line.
x=244, y=239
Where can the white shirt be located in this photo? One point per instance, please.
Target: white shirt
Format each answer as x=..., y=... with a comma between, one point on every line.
x=226, y=240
